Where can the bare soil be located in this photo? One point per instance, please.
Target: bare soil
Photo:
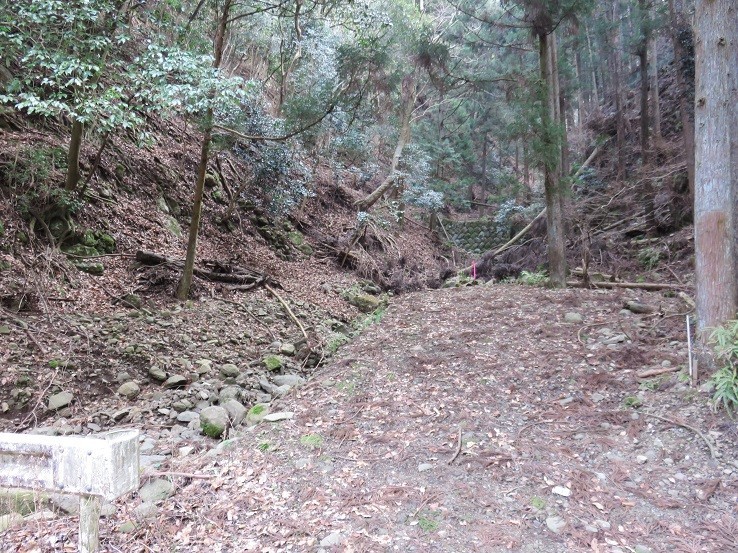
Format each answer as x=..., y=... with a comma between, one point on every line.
x=472, y=419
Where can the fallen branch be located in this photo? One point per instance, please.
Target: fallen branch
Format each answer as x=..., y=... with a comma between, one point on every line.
x=237, y=275
x=713, y=451
x=287, y=308
x=652, y=286
x=512, y=240
x=657, y=372
x=458, y=448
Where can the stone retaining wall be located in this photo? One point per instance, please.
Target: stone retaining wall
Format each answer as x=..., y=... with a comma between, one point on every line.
x=475, y=237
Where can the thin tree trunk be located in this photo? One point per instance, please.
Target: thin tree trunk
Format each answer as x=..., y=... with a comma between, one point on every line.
x=716, y=185
x=409, y=94
x=183, y=289
x=617, y=91
x=75, y=146
x=595, y=94
x=655, y=96
x=554, y=215
x=682, y=92
x=643, y=66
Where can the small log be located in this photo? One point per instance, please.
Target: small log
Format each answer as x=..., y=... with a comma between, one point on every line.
x=657, y=372
x=650, y=286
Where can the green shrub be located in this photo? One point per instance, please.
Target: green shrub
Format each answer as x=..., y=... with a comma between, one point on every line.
x=725, y=380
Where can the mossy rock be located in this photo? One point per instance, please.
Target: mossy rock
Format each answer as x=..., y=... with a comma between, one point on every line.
x=96, y=269
x=80, y=250
x=173, y=226
x=366, y=303
x=211, y=180
x=218, y=196
x=2, y=228
x=306, y=249
x=105, y=242
x=88, y=239
x=296, y=237
x=272, y=362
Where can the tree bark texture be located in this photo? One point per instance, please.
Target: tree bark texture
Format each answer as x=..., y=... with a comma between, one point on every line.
x=552, y=167
x=716, y=163
x=75, y=146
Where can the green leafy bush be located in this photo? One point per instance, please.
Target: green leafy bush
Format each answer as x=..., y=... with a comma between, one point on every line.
x=725, y=380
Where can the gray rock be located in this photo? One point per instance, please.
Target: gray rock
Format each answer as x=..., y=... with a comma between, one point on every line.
x=10, y=520
x=43, y=515
x=556, y=524
x=236, y=411
x=145, y=510
x=287, y=349
x=214, y=421
x=129, y=389
x=123, y=377
x=107, y=509
x=642, y=549
x=127, y=527
x=157, y=373
x=187, y=416
x=617, y=339
x=229, y=370
x=65, y=503
x=334, y=538
x=603, y=524
x=291, y=380
x=597, y=397
x=156, y=490
x=175, y=381
x=228, y=393
x=60, y=400
x=423, y=467
x=279, y=416
x=574, y=318
x=639, y=308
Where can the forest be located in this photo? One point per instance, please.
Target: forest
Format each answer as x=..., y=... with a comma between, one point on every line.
x=396, y=256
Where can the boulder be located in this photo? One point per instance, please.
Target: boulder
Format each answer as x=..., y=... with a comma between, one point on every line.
x=156, y=490
x=236, y=411
x=175, y=381
x=60, y=400
x=129, y=389
x=272, y=362
x=229, y=370
x=214, y=421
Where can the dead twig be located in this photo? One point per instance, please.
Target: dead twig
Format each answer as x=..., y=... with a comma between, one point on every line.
x=178, y=474
x=713, y=450
x=458, y=449
x=287, y=308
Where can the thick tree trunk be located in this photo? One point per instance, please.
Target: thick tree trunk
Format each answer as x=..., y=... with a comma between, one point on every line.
x=552, y=176
x=75, y=146
x=716, y=185
x=183, y=289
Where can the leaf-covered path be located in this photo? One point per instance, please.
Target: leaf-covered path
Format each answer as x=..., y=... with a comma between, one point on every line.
x=472, y=419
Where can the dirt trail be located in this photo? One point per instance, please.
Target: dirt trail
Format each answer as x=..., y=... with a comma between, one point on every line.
x=471, y=419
